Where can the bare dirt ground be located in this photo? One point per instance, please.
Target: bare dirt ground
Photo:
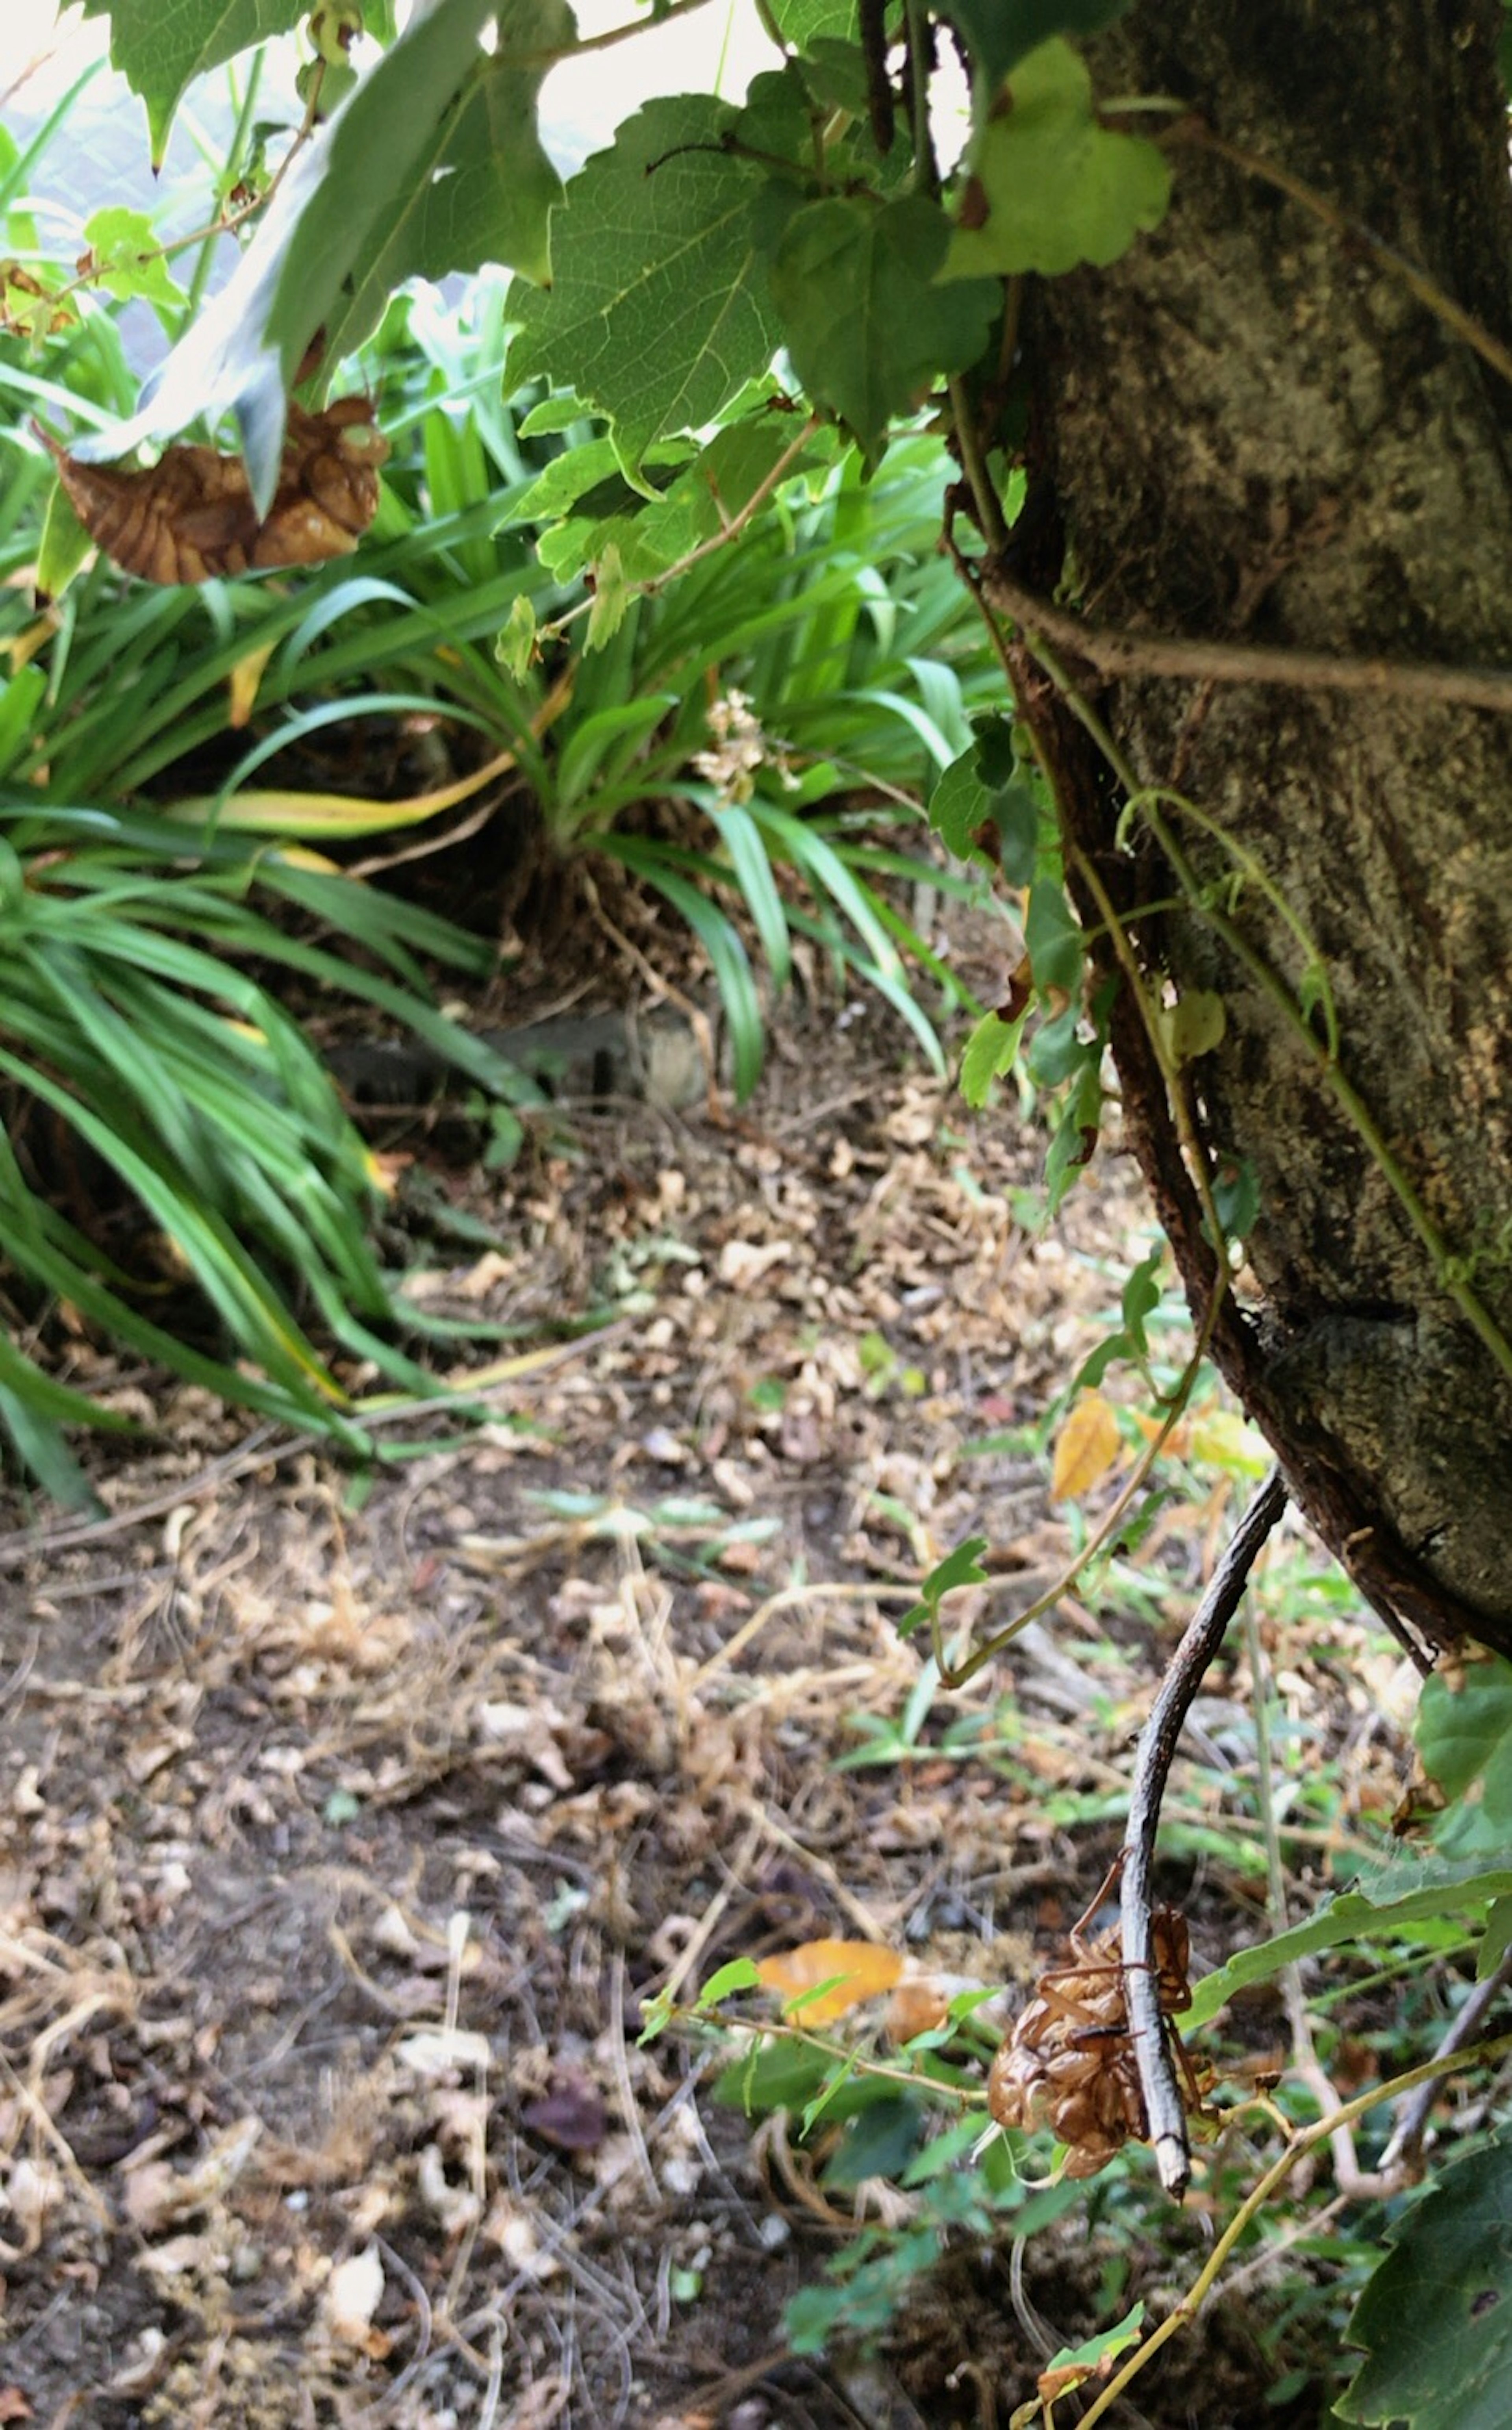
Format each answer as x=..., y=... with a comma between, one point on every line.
x=346, y=1822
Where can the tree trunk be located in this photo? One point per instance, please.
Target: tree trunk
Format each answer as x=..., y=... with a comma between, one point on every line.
x=1257, y=432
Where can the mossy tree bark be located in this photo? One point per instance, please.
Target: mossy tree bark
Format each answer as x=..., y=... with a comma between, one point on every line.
x=1254, y=431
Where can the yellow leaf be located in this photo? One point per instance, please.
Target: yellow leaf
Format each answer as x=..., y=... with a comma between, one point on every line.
x=1224, y=1441
x=854, y=1969
x=243, y=683
x=1087, y=1446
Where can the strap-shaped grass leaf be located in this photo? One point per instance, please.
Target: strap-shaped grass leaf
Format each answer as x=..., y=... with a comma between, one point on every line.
x=720, y=943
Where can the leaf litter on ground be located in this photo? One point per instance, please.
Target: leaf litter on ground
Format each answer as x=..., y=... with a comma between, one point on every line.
x=348, y=1835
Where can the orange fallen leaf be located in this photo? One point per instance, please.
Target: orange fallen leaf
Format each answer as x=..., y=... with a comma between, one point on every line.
x=1086, y=1447
x=854, y=1969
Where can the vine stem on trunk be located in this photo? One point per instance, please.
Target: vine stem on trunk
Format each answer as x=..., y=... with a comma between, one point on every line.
x=1164, y=2106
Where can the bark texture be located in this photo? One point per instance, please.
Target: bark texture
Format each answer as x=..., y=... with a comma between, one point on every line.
x=1255, y=432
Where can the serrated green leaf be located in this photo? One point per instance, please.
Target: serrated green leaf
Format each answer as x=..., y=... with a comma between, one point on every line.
x=129, y=260
x=1076, y=1134
x=612, y=595
x=161, y=49
x=990, y=1053
x=1464, y=1738
x=1436, y=2320
x=960, y=1568
x=1048, y=187
x=375, y=204
x=999, y=33
x=658, y=313
x=958, y=804
x=802, y=22
x=868, y=329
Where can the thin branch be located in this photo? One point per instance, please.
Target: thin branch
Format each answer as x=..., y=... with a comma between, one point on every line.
x=1178, y=2317
x=1163, y=2102
x=1241, y=663
x=1403, y=2155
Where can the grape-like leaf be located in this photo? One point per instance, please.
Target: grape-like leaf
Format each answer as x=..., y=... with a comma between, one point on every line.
x=658, y=311
x=802, y=22
x=160, y=50
x=1052, y=938
x=129, y=259
x=1047, y=186
x=1464, y=1736
x=999, y=33
x=867, y=328
x=1436, y=2318
x=960, y=1568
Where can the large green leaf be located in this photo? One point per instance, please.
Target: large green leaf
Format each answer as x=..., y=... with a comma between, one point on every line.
x=1436, y=2320
x=160, y=46
x=1378, y=1905
x=866, y=328
x=483, y=191
x=802, y=22
x=1464, y=1736
x=999, y=33
x=657, y=312
x=1049, y=187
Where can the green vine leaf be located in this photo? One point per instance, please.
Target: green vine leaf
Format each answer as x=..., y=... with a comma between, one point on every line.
x=990, y=1053
x=999, y=33
x=960, y=1568
x=1052, y=939
x=1436, y=2320
x=658, y=311
x=802, y=22
x=1377, y=1904
x=867, y=328
x=1048, y=187
x=1464, y=1740
x=161, y=50
x=128, y=253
